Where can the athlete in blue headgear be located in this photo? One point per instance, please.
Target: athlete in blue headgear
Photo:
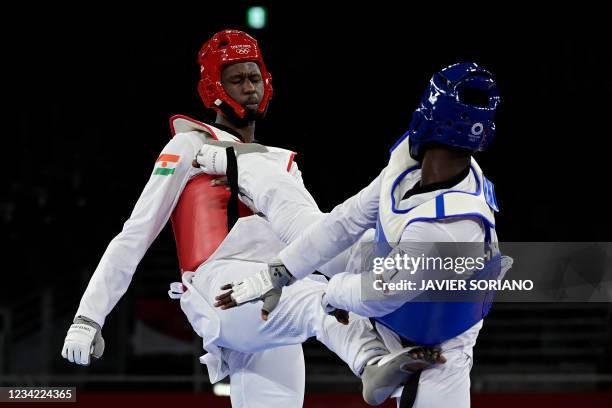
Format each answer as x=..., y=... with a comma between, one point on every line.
x=432, y=191
x=457, y=110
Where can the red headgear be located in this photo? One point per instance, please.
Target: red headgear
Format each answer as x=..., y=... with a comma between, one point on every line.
x=224, y=48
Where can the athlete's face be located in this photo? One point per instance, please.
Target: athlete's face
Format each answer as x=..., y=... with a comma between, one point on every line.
x=243, y=83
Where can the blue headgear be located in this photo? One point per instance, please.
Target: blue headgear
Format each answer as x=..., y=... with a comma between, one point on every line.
x=458, y=109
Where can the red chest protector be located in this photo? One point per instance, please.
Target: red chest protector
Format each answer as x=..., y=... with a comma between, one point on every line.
x=199, y=221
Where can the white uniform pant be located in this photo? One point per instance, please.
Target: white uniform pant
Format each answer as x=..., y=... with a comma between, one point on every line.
x=269, y=378
x=446, y=384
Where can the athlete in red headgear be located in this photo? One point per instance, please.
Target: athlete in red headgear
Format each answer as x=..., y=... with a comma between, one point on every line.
x=236, y=84
x=225, y=48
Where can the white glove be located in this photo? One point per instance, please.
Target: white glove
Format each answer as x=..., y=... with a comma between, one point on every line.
x=84, y=338
x=327, y=307
x=212, y=159
x=264, y=285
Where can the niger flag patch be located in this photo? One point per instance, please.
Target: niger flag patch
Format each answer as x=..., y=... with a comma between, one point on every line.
x=165, y=164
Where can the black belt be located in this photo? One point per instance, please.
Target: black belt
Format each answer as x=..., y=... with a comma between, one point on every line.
x=410, y=390
x=412, y=385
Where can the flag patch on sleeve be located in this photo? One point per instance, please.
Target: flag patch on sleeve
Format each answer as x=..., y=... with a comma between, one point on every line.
x=165, y=164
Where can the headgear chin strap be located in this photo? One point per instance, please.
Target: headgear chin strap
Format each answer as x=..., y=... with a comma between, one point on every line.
x=224, y=48
x=457, y=109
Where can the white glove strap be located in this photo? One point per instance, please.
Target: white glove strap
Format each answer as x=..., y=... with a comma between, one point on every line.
x=212, y=159
x=81, y=332
x=252, y=288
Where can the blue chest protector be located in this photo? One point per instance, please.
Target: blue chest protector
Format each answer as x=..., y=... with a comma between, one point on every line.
x=433, y=322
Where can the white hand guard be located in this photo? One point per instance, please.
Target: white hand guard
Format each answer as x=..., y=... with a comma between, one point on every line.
x=212, y=159
x=265, y=285
x=84, y=338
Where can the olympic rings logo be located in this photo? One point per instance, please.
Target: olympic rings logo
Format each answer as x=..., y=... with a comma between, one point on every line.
x=242, y=49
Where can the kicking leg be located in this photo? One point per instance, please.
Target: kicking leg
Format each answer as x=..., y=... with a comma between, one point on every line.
x=297, y=317
x=286, y=203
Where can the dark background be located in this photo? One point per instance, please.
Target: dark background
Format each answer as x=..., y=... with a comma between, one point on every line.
x=89, y=93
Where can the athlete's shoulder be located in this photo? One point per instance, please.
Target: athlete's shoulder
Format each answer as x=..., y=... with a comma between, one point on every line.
x=192, y=138
x=198, y=129
x=187, y=135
